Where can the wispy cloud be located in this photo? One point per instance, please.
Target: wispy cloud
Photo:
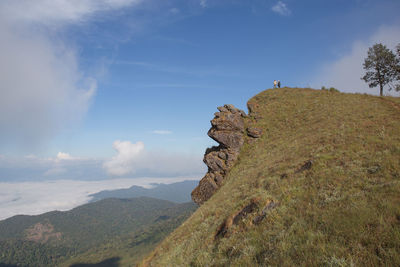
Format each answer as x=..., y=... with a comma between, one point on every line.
x=49, y=12
x=345, y=72
x=174, y=10
x=203, y=3
x=281, y=8
x=43, y=89
x=162, y=132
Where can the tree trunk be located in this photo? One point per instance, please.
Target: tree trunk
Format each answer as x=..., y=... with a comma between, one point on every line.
x=380, y=80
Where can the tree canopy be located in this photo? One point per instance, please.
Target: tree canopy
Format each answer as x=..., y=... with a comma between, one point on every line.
x=381, y=67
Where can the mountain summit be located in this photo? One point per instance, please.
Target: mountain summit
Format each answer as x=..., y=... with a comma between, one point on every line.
x=320, y=186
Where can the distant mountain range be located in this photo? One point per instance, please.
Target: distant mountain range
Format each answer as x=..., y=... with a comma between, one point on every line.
x=176, y=192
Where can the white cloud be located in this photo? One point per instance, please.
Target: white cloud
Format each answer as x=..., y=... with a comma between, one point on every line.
x=64, y=156
x=49, y=12
x=345, y=73
x=162, y=132
x=134, y=159
x=203, y=3
x=281, y=8
x=42, y=88
x=127, y=155
x=32, y=198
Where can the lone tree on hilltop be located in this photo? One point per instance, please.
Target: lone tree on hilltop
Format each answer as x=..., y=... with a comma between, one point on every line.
x=379, y=66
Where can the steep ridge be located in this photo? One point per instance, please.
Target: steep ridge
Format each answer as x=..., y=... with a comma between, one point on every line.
x=320, y=186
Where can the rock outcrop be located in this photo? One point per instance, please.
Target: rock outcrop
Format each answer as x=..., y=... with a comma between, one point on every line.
x=228, y=129
x=254, y=132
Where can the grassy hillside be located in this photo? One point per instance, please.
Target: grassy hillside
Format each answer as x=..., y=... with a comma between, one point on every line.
x=320, y=187
x=110, y=228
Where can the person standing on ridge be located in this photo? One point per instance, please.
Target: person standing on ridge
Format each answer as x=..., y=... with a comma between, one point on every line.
x=274, y=83
x=279, y=84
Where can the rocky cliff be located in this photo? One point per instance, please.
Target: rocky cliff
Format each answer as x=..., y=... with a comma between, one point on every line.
x=228, y=129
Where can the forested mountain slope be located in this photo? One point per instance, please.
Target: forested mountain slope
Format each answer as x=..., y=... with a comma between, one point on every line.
x=109, y=228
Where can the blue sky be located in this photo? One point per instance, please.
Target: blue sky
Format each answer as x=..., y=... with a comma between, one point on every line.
x=166, y=65
x=99, y=89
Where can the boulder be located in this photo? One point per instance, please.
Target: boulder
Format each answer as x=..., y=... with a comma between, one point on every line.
x=227, y=127
x=206, y=188
x=233, y=140
x=254, y=132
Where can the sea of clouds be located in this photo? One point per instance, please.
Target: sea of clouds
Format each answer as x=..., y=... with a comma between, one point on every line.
x=33, y=198
x=33, y=185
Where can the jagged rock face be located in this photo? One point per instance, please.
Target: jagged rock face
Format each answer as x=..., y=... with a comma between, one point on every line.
x=227, y=128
